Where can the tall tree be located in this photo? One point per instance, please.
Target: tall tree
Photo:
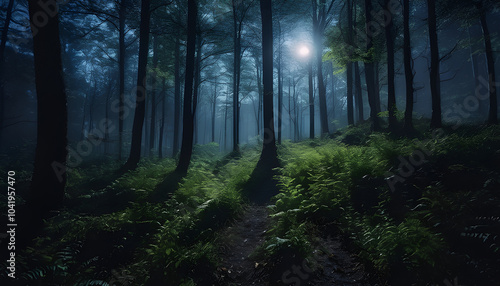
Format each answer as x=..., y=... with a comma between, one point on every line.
x=370, y=69
x=49, y=172
x=311, y=99
x=268, y=157
x=435, y=77
x=240, y=10
x=359, y=92
x=189, y=111
x=320, y=21
x=177, y=95
x=350, y=105
x=408, y=60
x=391, y=91
x=121, y=67
x=152, y=133
x=140, y=105
x=493, y=111
x=5, y=31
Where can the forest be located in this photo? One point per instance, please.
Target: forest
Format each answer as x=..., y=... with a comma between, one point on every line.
x=249, y=142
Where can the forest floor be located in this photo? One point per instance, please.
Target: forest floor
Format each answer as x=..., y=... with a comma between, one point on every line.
x=332, y=263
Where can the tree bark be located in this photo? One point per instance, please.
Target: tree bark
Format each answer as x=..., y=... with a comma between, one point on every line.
x=311, y=100
x=319, y=16
x=370, y=70
x=49, y=172
x=280, y=89
x=188, y=117
x=350, y=107
x=391, y=90
x=237, y=26
x=493, y=111
x=177, y=96
x=408, y=126
x=5, y=32
x=152, y=131
x=140, y=106
x=359, y=92
x=121, y=72
x=269, y=157
x=162, y=123
x=435, y=79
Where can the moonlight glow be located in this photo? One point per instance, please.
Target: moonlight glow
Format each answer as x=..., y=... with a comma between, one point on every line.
x=304, y=51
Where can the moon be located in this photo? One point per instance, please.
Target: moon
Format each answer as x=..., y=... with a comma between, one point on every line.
x=304, y=51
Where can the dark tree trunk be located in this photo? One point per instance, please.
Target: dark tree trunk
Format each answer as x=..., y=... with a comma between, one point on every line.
x=259, y=89
x=319, y=15
x=350, y=107
x=359, y=92
x=391, y=91
x=177, y=96
x=188, y=123
x=152, y=131
x=197, y=81
x=140, y=106
x=49, y=172
x=280, y=89
x=237, y=26
x=214, y=105
x=5, y=31
x=493, y=112
x=121, y=72
x=269, y=157
x=311, y=100
x=408, y=60
x=162, y=123
x=434, y=73
x=370, y=70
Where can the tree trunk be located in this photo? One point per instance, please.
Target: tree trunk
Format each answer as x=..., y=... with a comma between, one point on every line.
x=318, y=29
x=152, y=132
x=162, y=123
x=370, y=70
x=311, y=101
x=434, y=73
x=350, y=107
x=280, y=89
x=408, y=60
x=359, y=92
x=214, y=105
x=269, y=157
x=259, y=89
x=5, y=31
x=177, y=96
x=391, y=91
x=121, y=68
x=236, y=76
x=49, y=172
x=188, y=124
x=197, y=81
x=140, y=107
x=493, y=112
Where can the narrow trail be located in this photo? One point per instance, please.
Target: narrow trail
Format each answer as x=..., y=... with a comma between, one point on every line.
x=332, y=262
x=239, y=241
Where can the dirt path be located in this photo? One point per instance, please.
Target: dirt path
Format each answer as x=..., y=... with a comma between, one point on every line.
x=238, y=242
x=333, y=264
